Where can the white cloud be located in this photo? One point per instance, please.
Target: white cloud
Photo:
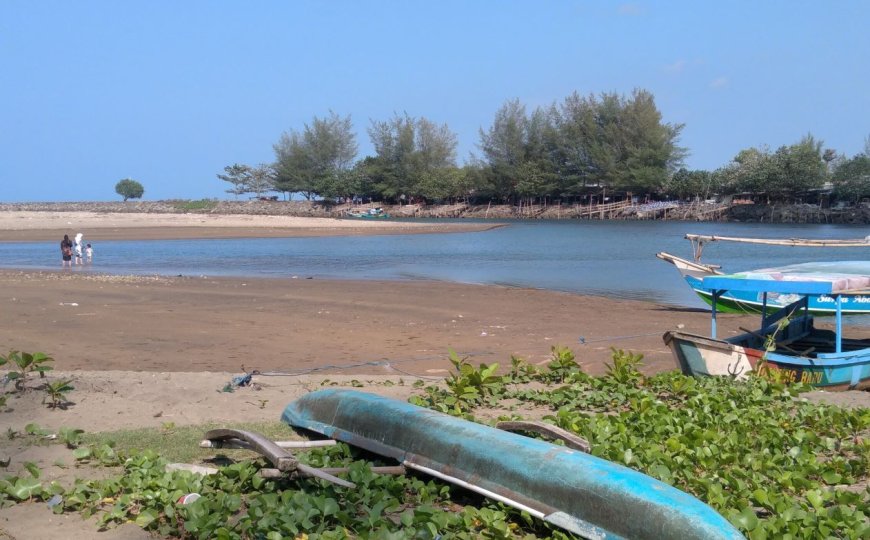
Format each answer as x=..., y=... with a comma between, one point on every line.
x=719, y=82
x=676, y=67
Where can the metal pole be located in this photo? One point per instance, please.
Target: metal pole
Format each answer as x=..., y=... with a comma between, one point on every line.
x=764, y=310
x=713, y=318
x=839, y=323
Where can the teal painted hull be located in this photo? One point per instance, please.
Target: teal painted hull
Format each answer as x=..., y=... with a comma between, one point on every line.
x=703, y=356
x=746, y=302
x=573, y=490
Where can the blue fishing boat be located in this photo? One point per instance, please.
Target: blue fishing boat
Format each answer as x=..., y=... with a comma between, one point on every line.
x=580, y=493
x=742, y=301
x=787, y=345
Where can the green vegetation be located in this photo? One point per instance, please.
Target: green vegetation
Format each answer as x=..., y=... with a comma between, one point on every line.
x=129, y=189
x=195, y=206
x=582, y=149
x=181, y=443
x=26, y=363
x=775, y=465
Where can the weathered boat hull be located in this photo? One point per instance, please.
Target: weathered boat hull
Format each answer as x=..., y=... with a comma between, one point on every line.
x=703, y=356
x=583, y=494
x=752, y=302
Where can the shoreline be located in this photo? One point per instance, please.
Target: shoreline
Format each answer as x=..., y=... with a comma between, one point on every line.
x=33, y=226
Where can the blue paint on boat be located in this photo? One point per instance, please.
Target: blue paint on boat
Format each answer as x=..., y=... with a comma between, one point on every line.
x=787, y=342
x=750, y=301
x=581, y=493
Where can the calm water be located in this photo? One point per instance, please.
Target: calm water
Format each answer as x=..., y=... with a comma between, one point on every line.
x=615, y=259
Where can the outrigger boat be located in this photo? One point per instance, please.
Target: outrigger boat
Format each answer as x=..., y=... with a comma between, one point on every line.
x=741, y=301
x=561, y=485
x=787, y=342
x=371, y=213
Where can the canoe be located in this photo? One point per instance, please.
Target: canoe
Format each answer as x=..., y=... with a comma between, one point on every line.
x=570, y=489
x=787, y=345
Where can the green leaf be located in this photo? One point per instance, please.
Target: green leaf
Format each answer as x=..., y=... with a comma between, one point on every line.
x=146, y=518
x=82, y=453
x=760, y=496
x=832, y=478
x=330, y=507
x=815, y=498
x=24, y=488
x=32, y=469
x=746, y=519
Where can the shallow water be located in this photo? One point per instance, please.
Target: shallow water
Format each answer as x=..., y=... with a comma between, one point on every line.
x=609, y=258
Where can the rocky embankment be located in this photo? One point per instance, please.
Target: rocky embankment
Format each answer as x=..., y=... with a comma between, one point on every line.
x=798, y=213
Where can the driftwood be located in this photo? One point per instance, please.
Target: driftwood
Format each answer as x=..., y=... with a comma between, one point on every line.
x=549, y=431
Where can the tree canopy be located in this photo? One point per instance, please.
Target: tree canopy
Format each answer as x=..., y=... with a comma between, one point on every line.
x=316, y=160
x=129, y=189
x=852, y=179
x=789, y=171
x=581, y=147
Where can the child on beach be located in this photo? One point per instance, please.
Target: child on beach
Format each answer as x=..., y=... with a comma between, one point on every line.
x=89, y=253
x=77, y=248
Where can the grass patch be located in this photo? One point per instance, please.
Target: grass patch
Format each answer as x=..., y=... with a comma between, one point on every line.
x=194, y=206
x=181, y=443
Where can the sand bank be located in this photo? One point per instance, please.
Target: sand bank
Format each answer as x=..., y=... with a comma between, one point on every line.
x=45, y=226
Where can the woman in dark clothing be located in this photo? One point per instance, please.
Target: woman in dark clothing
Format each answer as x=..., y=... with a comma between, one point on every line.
x=66, y=247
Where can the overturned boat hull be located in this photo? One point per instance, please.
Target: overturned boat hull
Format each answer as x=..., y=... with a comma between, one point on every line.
x=588, y=496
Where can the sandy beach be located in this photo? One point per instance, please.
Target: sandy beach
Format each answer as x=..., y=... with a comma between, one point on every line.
x=27, y=226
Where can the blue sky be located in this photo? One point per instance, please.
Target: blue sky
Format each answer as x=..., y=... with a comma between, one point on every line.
x=170, y=92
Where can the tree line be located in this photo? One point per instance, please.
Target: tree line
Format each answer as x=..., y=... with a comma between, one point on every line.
x=577, y=149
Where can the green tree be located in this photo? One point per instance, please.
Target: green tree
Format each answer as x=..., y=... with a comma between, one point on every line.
x=293, y=166
x=247, y=179
x=519, y=151
x=129, y=189
x=261, y=179
x=798, y=168
x=409, y=153
x=782, y=174
x=317, y=159
x=238, y=176
x=646, y=149
x=852, y=179
x=686, y=184
x=583, y=144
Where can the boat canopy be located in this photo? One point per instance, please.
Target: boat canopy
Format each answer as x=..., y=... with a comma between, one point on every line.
x=849, y=277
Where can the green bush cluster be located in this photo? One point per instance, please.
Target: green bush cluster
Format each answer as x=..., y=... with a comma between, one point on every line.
x=775, y=465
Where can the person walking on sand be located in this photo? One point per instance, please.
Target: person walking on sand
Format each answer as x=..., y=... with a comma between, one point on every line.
x=66, y=250
x=77, y=248
x=89, y=253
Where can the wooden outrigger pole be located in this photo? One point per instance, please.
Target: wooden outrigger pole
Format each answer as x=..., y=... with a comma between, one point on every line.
x=698, y=241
